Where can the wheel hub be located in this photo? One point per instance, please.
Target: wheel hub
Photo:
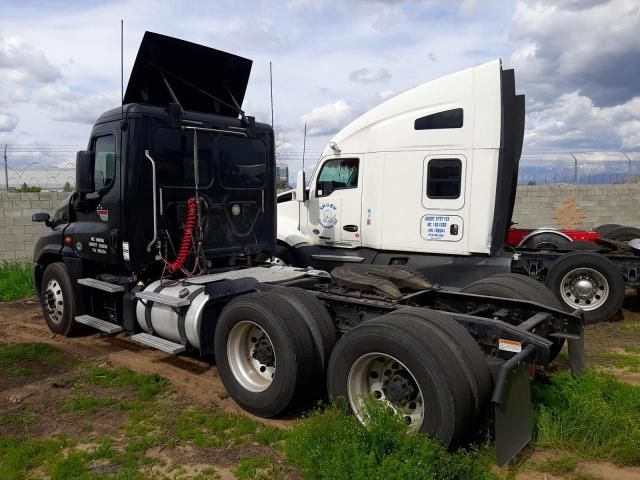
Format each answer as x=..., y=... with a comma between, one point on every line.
x=389, y=381
x=263, y=352
x=251, y=356
x=585, y=288
x=53, y=301
x=398, y=389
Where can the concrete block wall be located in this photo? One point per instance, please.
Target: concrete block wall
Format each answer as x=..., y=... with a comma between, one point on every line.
x=18, y=234
x=556, y=205
x=536, y=206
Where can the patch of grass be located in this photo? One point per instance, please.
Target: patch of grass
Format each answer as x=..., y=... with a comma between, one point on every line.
x=254, y=468
x=18, y=457
x=621, y=360
x=15, y=281
x=268, y=435
x=592, y=414
x=558, y=466
x=213, y=428
x=24, y=359
x=145, y=385
x=333, y=444
x=86, y=404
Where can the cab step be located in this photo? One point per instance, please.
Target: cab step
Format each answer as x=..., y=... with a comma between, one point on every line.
x=98, y=324
x=100, y=285
x=158, y=343
x=163, y=299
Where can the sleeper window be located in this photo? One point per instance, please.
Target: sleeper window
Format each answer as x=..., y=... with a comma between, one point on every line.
x=443, y=178
x=104, y=169
x=436, y=121
x=337, y=174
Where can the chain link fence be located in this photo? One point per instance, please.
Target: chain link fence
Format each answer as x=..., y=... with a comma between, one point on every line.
x=52, y=167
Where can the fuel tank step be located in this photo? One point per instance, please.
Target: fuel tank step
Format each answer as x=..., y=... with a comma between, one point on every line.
x=103, y=326
x=100, y=285
x=158, y=343
x=163, y=299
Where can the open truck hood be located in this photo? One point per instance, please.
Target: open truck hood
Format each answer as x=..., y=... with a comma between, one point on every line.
x=202, y=79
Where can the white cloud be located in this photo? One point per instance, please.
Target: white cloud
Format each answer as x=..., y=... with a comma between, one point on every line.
x=8, y=122
x=573, y=121
x=590, y=46
x=366, y=76
x=328, y=119
x=21, y=62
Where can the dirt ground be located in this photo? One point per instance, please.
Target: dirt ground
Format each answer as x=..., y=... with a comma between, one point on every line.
x=197, y=382
x=22, y=322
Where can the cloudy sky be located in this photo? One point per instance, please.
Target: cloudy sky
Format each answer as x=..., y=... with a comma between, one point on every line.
x=578, y=61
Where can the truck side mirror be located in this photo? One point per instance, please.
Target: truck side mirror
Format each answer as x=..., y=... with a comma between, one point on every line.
x=42, y=217
x=300, y=186
x=84, y=171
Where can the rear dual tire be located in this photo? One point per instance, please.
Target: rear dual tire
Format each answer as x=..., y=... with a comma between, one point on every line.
x=421, y=364
x=272, y=349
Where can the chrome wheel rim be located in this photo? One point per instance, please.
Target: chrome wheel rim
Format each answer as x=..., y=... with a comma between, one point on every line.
x=54, y=301
x=251, y=356
x=386, y=379
x=584, y=288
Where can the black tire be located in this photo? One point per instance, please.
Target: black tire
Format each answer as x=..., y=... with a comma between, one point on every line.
x=603, y=230
x=292, y=344
x=547, y=241
x=321, y=325
x=467, y=353
x=622, y=234
x=282, y=255
x=520, y=287
x=429, y=356
x=58, y=300
x=598, y=263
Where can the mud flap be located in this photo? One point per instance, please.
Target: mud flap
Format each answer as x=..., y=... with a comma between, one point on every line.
x=576, y=354
x=514, y=415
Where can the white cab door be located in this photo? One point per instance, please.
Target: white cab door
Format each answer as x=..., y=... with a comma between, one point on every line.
x=335, y=202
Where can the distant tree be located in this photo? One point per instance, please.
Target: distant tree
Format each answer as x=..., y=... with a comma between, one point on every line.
x=531, y=182
x=67, y=187
x=28, y=188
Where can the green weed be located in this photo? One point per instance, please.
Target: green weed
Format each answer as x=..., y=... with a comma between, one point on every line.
x=18, y=457
x=269, y=435
x=333, y=444
x=24, y=359
x=558, y=466
x=86, y=404
x=621, y=360
x=145, y=385
x=592, y=414
x=15, y=280
x=213, y=428
x=254, y=468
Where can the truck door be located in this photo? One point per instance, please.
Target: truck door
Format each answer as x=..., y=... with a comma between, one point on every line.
x=335, y=203
x=96, y=229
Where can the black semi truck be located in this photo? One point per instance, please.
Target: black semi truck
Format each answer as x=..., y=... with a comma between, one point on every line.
x=175, y=199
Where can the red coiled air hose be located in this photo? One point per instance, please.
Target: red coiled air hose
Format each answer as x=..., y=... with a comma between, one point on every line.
x=185, y=244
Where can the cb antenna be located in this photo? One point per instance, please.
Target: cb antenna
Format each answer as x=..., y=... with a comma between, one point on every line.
x=271, y=89
x=304, y=144
x=122, y=68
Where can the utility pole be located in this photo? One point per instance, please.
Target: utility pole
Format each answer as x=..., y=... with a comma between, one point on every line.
x=6, y=169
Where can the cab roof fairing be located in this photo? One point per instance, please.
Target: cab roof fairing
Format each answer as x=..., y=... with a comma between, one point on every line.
x=390, y=125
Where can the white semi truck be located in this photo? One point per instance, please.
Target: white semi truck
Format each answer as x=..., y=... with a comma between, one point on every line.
x=428, y=179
